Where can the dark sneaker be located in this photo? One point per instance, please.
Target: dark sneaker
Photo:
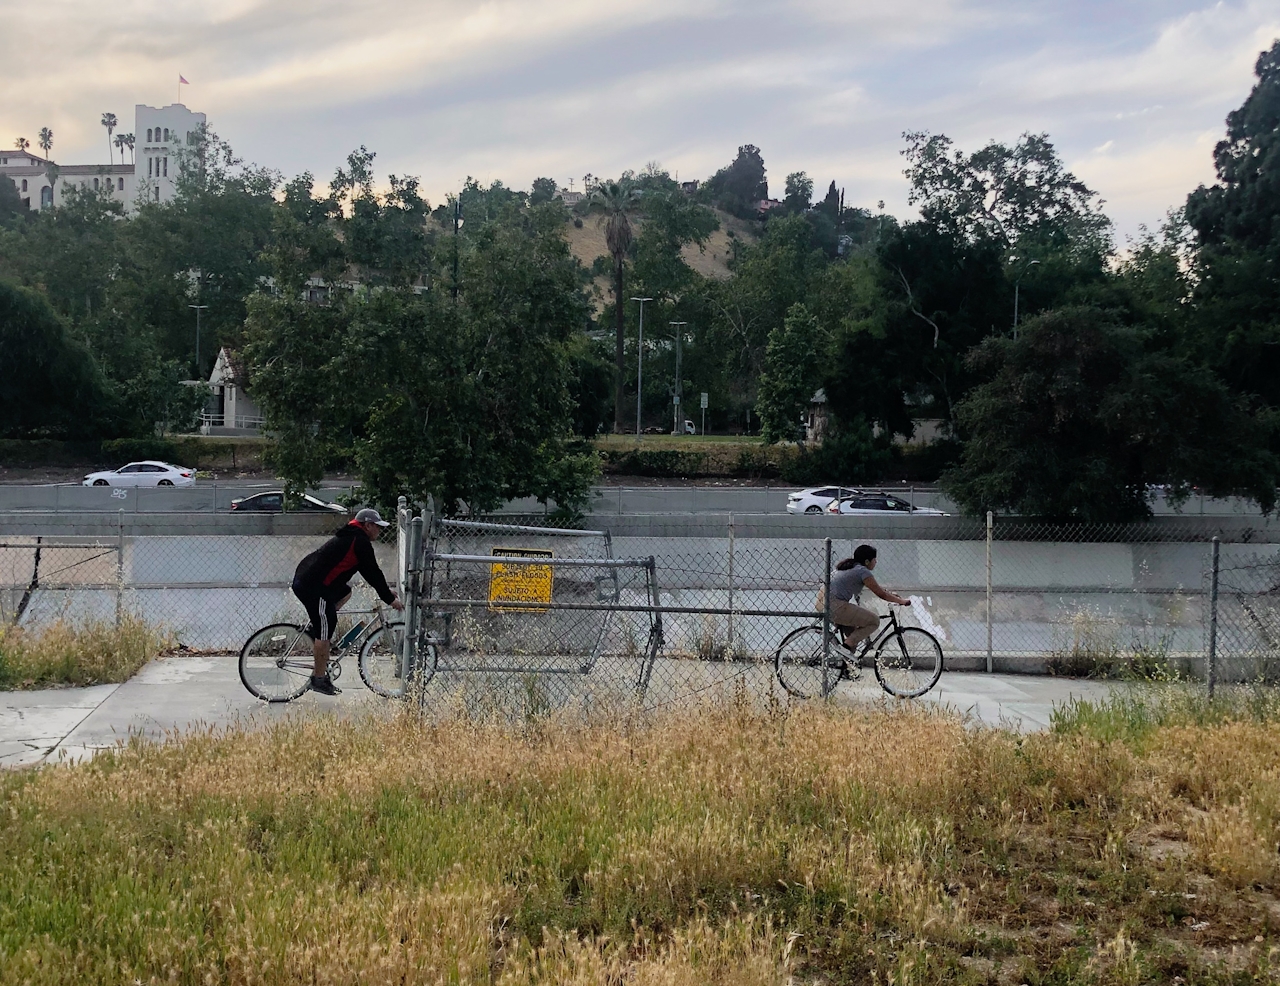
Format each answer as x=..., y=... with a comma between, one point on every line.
x=324, y=685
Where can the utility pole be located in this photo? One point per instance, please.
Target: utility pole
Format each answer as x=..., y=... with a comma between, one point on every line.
x=1016, y=285
x=676, y=428
x=199, y=309
x=457, y=222
x=640, y=365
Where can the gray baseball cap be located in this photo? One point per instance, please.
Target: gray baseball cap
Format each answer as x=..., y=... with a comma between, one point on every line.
x=370, y=516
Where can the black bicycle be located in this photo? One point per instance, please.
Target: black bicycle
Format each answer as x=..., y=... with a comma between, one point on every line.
x=908, y=660
x=276, y=662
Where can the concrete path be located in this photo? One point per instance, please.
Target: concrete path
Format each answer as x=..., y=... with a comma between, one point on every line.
x=176, y=694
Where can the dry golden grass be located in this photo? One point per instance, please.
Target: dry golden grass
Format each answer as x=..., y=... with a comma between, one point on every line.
x=88, y=652
x=713, y=846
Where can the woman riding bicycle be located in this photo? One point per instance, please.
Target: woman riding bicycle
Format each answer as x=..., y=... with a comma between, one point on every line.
x=856, y=623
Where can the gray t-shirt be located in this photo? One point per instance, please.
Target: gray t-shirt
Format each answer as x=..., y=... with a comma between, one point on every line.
x=847, y=585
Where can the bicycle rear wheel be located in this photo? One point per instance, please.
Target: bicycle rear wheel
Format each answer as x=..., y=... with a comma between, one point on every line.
x=798, y=663
x=276, y=663
x=909, y=662
x=380, y=661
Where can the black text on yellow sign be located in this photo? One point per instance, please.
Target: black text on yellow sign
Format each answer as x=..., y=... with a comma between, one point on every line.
x=520, y=583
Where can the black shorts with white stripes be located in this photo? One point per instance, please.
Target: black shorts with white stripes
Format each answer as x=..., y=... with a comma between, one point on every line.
x=321, y=610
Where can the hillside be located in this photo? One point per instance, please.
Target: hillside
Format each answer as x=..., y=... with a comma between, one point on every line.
x=712, y=260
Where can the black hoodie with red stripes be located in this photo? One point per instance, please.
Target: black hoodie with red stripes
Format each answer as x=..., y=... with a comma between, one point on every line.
x=328, y=569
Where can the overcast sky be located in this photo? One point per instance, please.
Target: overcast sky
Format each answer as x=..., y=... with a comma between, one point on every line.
x=1133, y=92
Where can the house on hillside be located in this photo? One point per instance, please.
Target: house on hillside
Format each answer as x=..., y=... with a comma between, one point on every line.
x=570, y=197
x=689, y=187
x=230, y=410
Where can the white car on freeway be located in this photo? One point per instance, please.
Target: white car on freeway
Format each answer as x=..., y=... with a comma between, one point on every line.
x=149, y=473
x=816, y=499
x=870, y=504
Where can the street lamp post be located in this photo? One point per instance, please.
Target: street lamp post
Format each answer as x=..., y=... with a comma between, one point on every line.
x=1016, y=285
x=199, y=309
x=640, y=364
x=675, y=398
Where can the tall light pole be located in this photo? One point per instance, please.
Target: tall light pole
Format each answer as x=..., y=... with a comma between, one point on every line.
x=640, y=364
x=199, y=309
x=1016, y=285
x=675, y=395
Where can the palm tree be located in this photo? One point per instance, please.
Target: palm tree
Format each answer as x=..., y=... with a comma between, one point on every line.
x=109, y=121
x=127, y=141
x=119, y=142
x=615, y=201
x=22, y=143
x=46, y=140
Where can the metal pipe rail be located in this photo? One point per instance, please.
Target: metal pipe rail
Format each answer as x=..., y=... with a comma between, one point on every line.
x=618, y=608
x=539, y=560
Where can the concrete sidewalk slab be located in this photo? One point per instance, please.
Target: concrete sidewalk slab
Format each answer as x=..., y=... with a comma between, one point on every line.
x=174, y=694
x=33, y=723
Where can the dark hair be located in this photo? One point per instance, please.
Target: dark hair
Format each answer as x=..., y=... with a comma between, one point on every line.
x=862, y=554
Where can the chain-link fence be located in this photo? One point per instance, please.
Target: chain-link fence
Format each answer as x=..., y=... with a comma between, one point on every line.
x=519, y=612
x=1243, y=614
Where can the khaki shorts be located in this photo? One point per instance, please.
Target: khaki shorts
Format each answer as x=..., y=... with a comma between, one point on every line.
x=855, y=622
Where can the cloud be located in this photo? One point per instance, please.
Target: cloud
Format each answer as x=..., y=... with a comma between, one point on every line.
x=1133, y=92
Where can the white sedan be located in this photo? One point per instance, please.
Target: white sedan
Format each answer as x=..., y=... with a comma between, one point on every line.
x=149, y=473
x=816, y=499
x=871, y=504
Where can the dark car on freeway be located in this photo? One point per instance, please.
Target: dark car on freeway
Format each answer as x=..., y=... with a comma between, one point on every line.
x=272, y=502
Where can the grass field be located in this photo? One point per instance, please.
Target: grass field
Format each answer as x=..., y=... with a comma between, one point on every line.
x=1135, y=843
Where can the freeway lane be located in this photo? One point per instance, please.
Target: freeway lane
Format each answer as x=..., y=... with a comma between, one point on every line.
x=210, y=497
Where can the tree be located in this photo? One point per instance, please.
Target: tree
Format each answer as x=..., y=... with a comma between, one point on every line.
x=22, y=143
x=1080, y=414
x=792, y=371
x=799, y=192
x=1236, y=300
x=467, y=400
x=110, y=122
x=1244, y=207
x=543, y=190
x=738, y=187
x=46, y=140
x=1006, y=194
x=10, y=200
x=128, y=141
x=54, y=390
x=616, y=201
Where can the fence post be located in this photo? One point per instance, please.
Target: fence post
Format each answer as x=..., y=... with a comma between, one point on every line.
x=990, y=663
x=57, y=497
x=730, y=607
x=1212, y=670
x=215, y=498
x=411, y=605
x=119, y=566
x=826, y=621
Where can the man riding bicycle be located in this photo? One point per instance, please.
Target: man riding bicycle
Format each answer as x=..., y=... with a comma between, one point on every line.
x=321, y=585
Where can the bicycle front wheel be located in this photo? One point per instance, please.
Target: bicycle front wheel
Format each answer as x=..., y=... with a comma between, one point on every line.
x=799, y=666
x=380, y=661
x=276, y=663
x=909, y=662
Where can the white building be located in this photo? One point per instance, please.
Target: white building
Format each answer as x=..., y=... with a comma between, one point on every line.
x=229, y=411
x=159, y=134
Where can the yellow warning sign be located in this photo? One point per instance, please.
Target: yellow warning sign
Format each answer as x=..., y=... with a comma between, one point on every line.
x=521, y=583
